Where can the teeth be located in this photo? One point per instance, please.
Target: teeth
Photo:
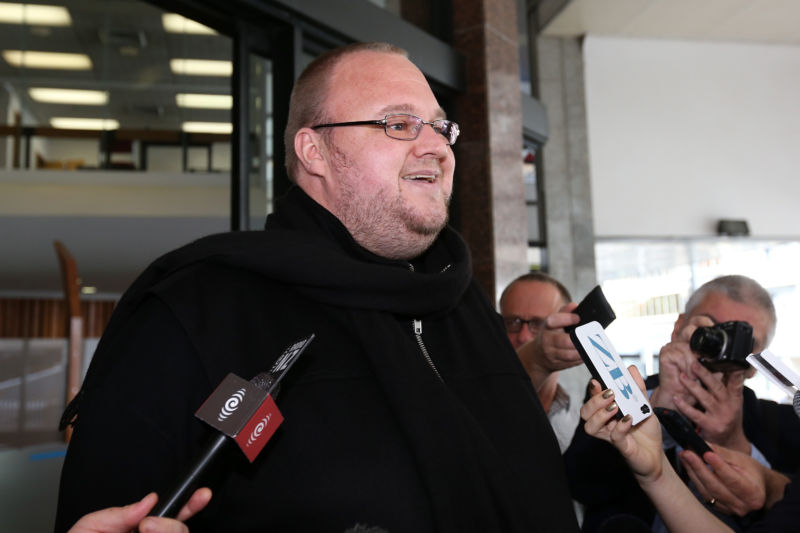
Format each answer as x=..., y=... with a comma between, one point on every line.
x=429, y=179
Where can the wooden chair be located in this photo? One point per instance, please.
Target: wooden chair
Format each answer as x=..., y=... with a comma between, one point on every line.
x=71, y=285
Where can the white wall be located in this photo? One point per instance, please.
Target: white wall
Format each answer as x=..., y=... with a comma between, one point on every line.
x=682, y=134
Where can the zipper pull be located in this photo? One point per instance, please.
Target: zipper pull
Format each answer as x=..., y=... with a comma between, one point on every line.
x=417, y=327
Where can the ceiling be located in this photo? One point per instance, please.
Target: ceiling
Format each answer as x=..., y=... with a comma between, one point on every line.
x=756, y=21
x=130, y=51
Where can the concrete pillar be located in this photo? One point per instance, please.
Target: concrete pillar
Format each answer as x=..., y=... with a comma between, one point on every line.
x=570, y=229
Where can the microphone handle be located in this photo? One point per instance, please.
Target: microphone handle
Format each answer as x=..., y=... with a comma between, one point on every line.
x=170, y=506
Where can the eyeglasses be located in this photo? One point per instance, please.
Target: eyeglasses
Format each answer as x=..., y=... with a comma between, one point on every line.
x=404, y=127
x=514, y=324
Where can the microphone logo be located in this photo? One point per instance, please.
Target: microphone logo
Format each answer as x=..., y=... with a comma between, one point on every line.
x=231, y=404
x=260, y=427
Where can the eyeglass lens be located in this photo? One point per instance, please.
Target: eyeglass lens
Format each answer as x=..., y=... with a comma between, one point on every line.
x=408, y=127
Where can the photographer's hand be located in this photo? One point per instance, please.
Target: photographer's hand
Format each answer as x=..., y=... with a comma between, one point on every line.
x=721, y=396
x=674, y=359
x=552, y=349
x=736, y=482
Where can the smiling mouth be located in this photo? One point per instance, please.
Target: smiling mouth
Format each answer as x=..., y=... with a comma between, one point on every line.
x=429, y=178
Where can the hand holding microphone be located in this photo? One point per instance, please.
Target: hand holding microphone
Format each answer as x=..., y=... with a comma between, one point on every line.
x=125, y=519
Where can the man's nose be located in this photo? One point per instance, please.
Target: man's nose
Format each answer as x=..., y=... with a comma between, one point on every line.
x=524, y=336
x=432, y=141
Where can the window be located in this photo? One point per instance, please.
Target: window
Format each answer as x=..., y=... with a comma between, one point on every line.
x=647, y=282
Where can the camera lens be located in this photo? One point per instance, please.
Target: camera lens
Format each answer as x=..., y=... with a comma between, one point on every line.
x=708, y=341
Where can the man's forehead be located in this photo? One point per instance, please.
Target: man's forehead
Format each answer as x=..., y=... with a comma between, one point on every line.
x=719, y=308
x=534, y=293
x=381, y=84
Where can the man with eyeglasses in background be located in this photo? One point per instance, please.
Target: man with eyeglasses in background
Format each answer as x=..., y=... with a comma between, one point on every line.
x=535, y=308
x=408, y=412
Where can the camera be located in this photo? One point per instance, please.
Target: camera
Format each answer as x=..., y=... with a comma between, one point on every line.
x=723, y=347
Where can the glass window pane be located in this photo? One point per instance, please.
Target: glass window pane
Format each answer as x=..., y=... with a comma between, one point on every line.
x=529, y=173
x=533, y=222
x=156, y=158
x=648, y=282
x=261, y=133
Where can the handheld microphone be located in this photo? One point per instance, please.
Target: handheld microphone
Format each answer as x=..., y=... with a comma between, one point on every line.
x=245, y=414
x=779, y=373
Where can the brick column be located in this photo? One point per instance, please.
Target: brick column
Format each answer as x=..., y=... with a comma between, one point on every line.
x=489, y=196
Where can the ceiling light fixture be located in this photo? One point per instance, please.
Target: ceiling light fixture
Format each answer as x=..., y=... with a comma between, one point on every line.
x=14, y=13
x=204, y=101
x=207, y=127
x=201, y=67
x=175, y=23
x=51, y=60
x=68, y=96
x=70, y=123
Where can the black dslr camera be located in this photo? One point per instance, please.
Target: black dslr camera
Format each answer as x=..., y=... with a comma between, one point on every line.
x=723, y=347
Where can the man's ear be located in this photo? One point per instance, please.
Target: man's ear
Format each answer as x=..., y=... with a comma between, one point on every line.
x=679, y=323
x=309, y=151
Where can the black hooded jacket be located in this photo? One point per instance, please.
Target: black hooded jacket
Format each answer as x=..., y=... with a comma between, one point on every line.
x=372, y=435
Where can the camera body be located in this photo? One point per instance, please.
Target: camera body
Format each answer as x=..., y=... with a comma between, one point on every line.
x=723, y=347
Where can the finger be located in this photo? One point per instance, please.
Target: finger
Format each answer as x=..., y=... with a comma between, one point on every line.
x=153, y=524
x=711, y=483
x=701, y=476
x=637, y=377
x=728, y=473
x=689, y=411
x=568, y=308
x=692, y=324
x=696, y=389
x=713, y=382
x=196, y=503
x=116, y=518
x=734, y=382
x=678, y=356
x=621, y=429
x=725, y=500
x=561, y=320
x=600, y=399
x=691, y=470
x=602, y=423
x=597, y=423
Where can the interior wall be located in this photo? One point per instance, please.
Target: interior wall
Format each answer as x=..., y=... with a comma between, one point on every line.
x=682, y=134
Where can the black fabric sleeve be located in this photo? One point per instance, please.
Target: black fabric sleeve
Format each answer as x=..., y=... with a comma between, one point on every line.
x=133, y=428
x=783, y=517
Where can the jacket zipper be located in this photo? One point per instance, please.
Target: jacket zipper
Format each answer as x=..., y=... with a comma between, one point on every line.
x=417, y=325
